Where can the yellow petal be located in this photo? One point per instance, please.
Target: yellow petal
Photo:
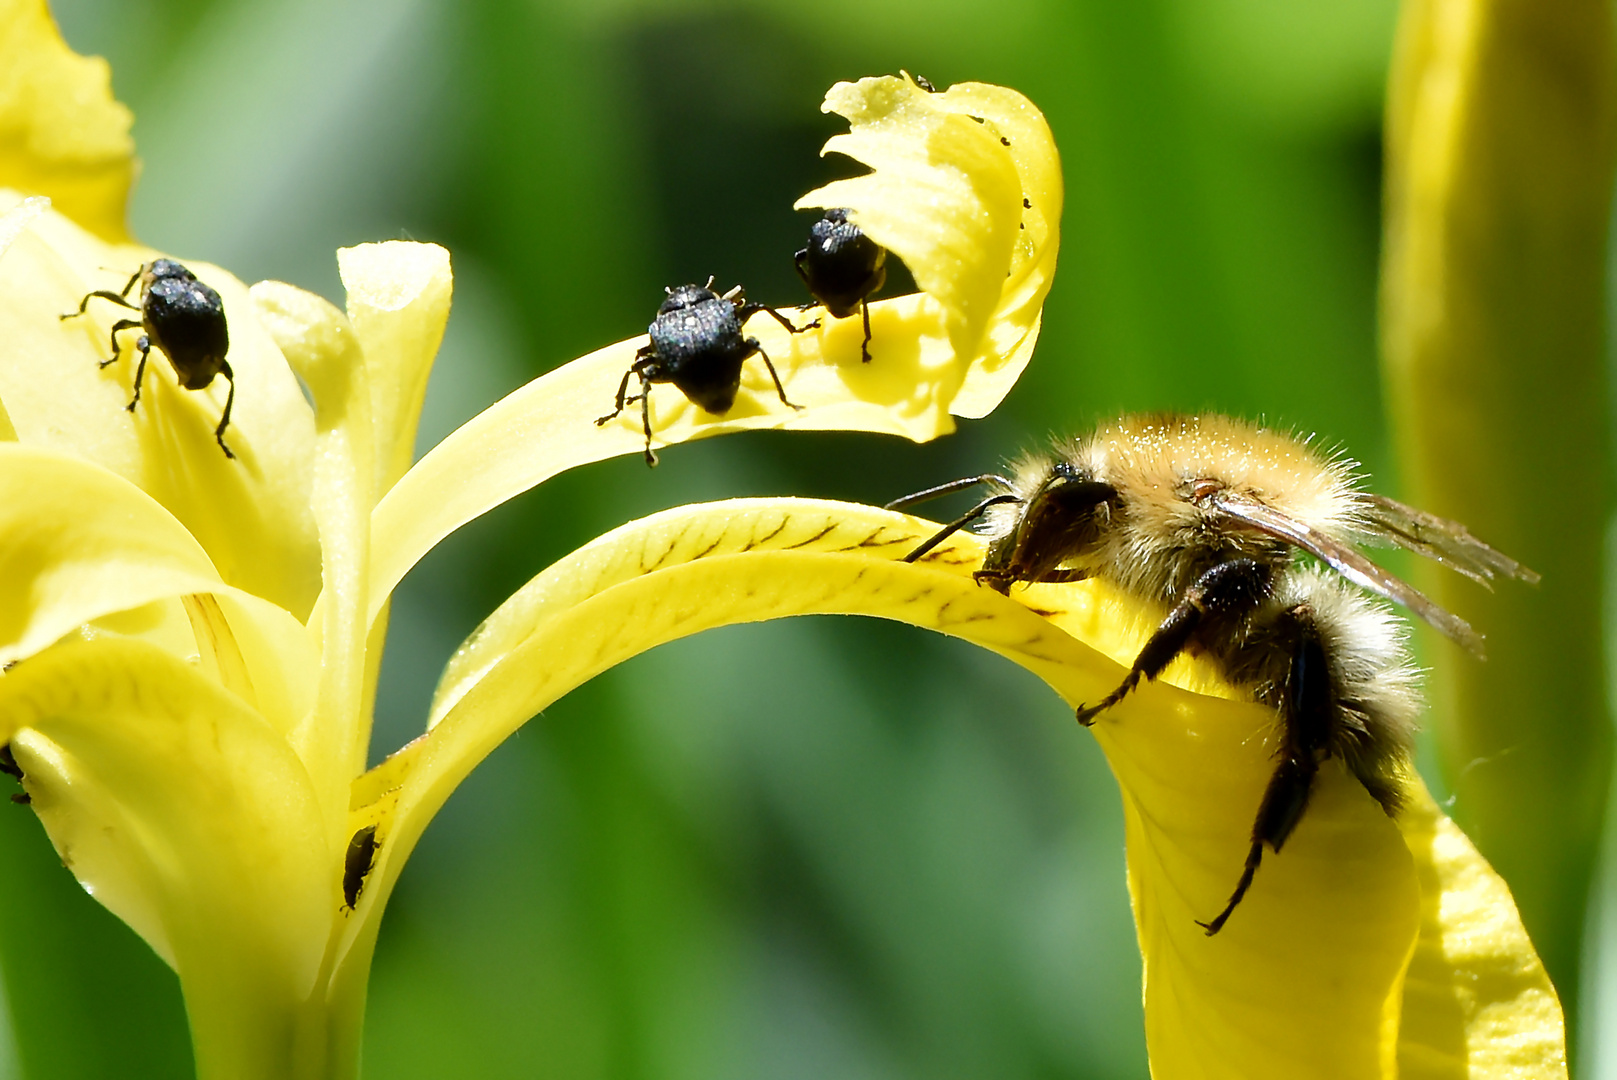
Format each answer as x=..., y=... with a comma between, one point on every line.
x=1305, y=980
x=80, y=543
x=258, y=652
x=665, y=577
x=398, y=303
x=548, y=426
x=1478, y=1004
x=981, y=160
x=321, y=345
x=182, y=811
x=62, y=134
x=252, y=514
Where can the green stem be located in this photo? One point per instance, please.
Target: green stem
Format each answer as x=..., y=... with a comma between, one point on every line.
x=242, y=1033
x=1499, y=173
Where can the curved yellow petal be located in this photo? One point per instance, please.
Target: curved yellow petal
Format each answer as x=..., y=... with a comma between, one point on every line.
x=398, y=303
x=186, y=814
x=1478, y=1004
x=982, y=161
x=258, y=652
x=81, y=543
x=1306, y=980
x=62, y=134
x=322, y=346
x=250, y=514
x=665, y=577
x=548, y=426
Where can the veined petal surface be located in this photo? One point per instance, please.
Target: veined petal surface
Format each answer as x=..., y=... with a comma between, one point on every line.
x=62, y=134
x=1307, y=979
x=665, y=577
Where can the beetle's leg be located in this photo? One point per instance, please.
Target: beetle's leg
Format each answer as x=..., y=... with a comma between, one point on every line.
x=747, y=311
x=130, y=284
x=623, y=388
x=1227, y=588
x=864, y=349
x=230, y=399
x=144, y=344
x=645, y=418
x=121, y=324
x=103, y=294
x=752, y=343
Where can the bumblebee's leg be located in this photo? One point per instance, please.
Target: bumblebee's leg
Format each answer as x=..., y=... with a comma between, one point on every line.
x=1226, y=588
x=144, y=344
x=103, y=294
x=864, y=348
x=230, y=399
x=959, y=523
x=752, y=343
x=121, y=324
x=1306, y=712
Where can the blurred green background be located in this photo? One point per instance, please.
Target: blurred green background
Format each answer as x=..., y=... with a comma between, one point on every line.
x=817, y=848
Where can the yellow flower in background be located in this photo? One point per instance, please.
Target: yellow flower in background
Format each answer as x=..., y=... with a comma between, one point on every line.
x=195, y=641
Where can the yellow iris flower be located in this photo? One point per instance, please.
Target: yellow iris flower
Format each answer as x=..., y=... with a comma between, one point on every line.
x=193, y=642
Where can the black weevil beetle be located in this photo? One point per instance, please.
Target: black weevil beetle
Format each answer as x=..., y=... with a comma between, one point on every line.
x=356, y=864
x=697, y=344
x=185, y=319
x=842, y=267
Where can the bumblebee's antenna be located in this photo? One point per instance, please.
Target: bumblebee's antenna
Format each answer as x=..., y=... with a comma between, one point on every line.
x=960, y=523
x=946, y=489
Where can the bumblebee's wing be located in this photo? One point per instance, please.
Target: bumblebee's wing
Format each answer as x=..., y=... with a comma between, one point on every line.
x=1440, y=540
x=1350, y=563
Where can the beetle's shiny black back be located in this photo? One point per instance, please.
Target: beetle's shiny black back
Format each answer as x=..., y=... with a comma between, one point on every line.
x=841, y=265
x=186, y=320
x=699, y=347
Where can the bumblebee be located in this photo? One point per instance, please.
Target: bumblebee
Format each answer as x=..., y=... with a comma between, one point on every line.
x=1204, y=518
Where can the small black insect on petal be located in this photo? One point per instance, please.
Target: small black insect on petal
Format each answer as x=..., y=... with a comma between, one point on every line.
x=357, y=863
x=842, y=268
x=184, y=319
x=698, y=344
